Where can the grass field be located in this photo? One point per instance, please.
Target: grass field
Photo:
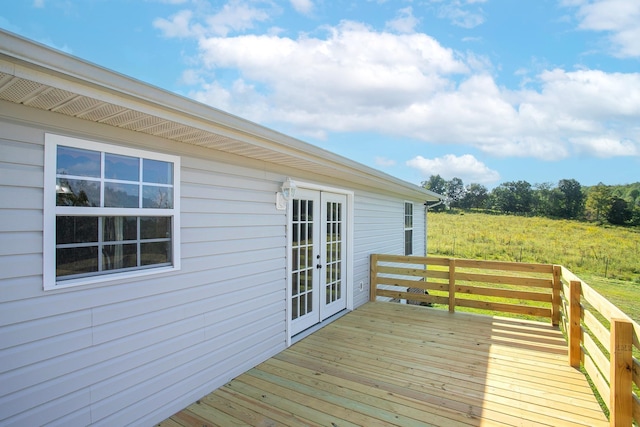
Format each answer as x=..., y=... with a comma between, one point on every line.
x=607, y=258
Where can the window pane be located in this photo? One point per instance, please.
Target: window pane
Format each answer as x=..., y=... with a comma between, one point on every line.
x=121, y=167
x=119, y=256
x=157, y=197
x=75, y=161
x=155, y=253
x=76, y=229
x=119, y=228
x=76, y=260
x=157, y=172
x=155, y=227
x=74, y=192
x=121, y=195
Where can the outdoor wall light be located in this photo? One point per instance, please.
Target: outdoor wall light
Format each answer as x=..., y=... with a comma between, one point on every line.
x=288, y=192
x=288, y=189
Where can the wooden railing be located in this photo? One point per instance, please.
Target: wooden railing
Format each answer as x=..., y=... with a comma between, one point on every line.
x=602, y=339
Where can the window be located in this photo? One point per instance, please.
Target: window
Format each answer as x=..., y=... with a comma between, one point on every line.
x=110, y=212
x=408, y=228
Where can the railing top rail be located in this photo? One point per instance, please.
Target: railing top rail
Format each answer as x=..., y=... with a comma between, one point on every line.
x=469, y=263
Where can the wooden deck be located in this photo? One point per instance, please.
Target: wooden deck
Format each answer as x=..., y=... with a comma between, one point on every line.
x=391, y=364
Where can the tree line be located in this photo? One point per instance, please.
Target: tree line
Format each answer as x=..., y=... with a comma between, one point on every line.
x=568, y=199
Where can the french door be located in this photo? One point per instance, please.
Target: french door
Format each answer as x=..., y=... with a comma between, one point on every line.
x=318, y=257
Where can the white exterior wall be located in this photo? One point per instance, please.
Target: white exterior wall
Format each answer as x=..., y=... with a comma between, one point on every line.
x=379, y=228
x=138, y=350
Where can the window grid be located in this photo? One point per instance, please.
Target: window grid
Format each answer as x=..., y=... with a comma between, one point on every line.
x=126, y=193
x=408, y=228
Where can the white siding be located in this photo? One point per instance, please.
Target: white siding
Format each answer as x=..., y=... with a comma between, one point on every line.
x=379, y=228
x=136, y=351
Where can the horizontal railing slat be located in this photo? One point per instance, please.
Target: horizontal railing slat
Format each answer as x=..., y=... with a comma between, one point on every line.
x=503, y=293
x=413, y=259
x=504, y=280
x=410, y=296
x=600, y=360
x=415, y=272
x=506, y=308
x=636, y=372
x=505, y=265
x=596, y=328
x=597, y=379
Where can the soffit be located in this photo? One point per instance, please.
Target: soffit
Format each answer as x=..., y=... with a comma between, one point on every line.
x=116, y=100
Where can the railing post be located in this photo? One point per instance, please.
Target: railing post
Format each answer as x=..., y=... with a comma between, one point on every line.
x=373, y=277
x=452, y=285
x=575, y=291
x=621, y=405
x=555, y=295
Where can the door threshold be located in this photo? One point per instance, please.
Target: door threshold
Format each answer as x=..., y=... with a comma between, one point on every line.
x=310, y=330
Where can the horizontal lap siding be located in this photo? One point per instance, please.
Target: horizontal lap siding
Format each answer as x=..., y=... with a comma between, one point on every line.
x=138, y=350
x=379, y=228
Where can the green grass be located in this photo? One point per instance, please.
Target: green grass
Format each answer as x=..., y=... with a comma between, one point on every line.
x=605, y=257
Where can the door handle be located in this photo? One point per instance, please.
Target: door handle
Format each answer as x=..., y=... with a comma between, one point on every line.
x=318, y=266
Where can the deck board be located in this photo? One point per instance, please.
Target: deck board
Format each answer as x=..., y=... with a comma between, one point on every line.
x=391, y=364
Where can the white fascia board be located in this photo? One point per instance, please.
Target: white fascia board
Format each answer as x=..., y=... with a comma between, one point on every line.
x=26, y=59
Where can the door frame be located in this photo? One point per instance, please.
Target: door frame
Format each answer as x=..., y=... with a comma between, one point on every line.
x=349, y=286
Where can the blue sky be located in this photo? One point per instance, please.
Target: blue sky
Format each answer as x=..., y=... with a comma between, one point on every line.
x=485, y=90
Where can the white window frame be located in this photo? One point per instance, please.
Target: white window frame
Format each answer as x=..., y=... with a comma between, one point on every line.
x=411, y=228
x=51, y=211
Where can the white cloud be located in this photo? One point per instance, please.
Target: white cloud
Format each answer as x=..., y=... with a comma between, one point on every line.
x=235, y=16
x=304, y=7
x=384, y=162
x=620, y=19
x=353, y=78
x=460, y=13
x=404, y=22
x=178, y=26
x=465, y=167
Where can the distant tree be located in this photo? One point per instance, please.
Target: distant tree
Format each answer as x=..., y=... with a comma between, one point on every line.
x=437, y=184
x=455, y=192
x=634, y=194
x=541, y=203
x=619, y=211
x=514, y=197
x=475, y=196
x=570, y=203
x=598, y=201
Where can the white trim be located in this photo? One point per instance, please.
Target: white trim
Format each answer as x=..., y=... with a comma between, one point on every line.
x=50, y=211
